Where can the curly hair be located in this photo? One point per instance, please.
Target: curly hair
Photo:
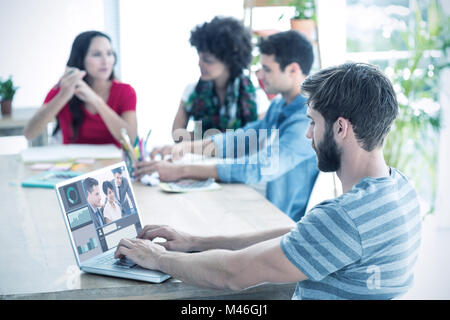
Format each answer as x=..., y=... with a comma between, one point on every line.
x=228, y=40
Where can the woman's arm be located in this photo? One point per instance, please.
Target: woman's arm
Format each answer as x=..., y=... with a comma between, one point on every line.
x=48, y=111
x=179, y=131
x=114, y=122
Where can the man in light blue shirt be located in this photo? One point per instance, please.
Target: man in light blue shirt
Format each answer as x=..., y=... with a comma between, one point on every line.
x=274, y=149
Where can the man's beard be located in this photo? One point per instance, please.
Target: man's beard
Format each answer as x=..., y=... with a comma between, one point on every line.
x=328, y=154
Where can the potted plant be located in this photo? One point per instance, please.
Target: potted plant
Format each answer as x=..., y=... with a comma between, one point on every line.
x=304, y=19
x=7, y=92
x=305, y=16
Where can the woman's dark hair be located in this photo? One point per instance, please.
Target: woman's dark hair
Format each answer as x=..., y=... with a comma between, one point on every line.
x=107, y=185
x=358, y=92
x=288, y=47
x=78, y=53
x=228, y=40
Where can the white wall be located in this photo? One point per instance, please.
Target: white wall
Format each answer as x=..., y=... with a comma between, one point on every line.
x=157, y=59
x=332, y=32
x=36, y=37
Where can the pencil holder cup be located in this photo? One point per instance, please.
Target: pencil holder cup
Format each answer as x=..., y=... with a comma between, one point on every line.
x=128, y=162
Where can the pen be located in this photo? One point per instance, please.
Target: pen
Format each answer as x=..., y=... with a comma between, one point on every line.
x=127, y=143
x=137, y=152
x=141, y=150
x=146, y=139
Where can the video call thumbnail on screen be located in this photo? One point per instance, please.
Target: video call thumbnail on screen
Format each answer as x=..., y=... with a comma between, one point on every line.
x=101, y=210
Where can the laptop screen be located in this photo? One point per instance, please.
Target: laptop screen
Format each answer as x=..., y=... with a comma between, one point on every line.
x=100, y=210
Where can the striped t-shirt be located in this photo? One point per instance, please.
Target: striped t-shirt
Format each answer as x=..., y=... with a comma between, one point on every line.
x=361, y=245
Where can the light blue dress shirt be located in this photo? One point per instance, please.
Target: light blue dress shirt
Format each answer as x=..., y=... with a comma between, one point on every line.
x=283, y=156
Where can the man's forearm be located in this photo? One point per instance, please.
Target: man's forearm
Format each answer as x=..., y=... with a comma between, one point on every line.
x=206, y=269
x=231, y=269
x=199, y=172
x=205, y=147
x=236, y=242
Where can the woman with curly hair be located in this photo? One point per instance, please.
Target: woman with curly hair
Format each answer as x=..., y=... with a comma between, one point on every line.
x=223, y=98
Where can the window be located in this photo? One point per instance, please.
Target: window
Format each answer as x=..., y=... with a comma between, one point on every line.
x=404, y=38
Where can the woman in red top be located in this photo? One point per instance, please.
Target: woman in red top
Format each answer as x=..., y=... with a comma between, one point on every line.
x=90, y=105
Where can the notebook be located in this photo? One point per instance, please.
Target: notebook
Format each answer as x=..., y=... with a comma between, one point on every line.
x=48, y=179
x=93, y=233
x=68, y=152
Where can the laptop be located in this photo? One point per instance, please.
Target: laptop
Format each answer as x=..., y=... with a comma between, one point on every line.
x=96, y=222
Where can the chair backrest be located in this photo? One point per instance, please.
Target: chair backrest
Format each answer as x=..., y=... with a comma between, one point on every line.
x=327, y=186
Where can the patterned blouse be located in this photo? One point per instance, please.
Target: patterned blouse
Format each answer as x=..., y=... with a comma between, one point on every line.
x=238, y=109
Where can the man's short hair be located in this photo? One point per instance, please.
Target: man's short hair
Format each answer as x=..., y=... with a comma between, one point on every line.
x=358, y=92
x=117, y=170
x=288, y=47
x=88, y=183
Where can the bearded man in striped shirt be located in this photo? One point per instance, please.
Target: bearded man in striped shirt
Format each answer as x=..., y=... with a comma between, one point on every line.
x=360, y=245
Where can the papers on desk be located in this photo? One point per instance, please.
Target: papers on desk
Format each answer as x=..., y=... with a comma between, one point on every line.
x=52, y=173
x=187, y=185
x=151, y=179
x=59, y=153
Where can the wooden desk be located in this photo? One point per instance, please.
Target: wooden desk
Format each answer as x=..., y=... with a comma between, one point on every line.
x=37, y=261
x=13, y=125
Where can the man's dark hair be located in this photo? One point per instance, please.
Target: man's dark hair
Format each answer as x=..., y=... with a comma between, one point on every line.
x=88, y=183
x=228, y=40
x=358, y=92
x=288, y=47
x=117, y=170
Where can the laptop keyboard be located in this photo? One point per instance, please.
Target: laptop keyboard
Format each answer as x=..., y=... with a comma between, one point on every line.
x=123, y=262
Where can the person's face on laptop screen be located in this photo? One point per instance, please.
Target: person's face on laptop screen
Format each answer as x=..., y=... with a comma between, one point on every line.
x=97, y=216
